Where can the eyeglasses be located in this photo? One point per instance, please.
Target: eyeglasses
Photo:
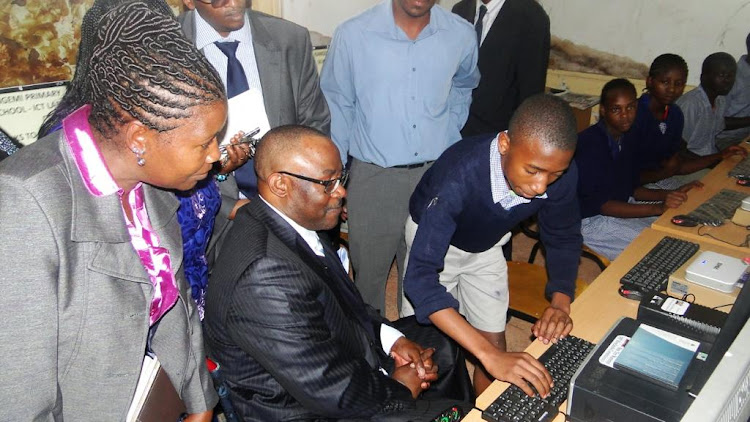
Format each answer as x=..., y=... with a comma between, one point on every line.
x=330, y=186
x=214, y=3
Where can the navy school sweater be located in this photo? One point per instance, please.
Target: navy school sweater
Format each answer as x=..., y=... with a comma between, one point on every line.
x=452, y=205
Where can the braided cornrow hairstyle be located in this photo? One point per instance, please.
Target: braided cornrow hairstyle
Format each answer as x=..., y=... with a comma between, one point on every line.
x=665, y=63
x=135, y=61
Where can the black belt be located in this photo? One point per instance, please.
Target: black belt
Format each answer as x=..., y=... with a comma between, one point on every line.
x=412, y=166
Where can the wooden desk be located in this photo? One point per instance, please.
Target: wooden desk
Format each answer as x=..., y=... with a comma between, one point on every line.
x=594, y=312
x=716, y=180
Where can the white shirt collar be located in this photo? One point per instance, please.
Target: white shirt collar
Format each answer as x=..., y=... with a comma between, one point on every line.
x=493, y=6
x=309, y=236
x=493, y=9
x=205, y=34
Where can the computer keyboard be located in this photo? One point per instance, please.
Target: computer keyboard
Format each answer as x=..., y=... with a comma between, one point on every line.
x=651, y=273
x=561, y=360
x=721, y=206
x=742, y=169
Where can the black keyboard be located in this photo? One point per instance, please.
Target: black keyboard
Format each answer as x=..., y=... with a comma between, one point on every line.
x=561, y=360
x=721, y=206
x=652, y=272
x=742, y=169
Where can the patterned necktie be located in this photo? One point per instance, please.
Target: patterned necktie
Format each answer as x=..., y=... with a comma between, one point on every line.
x=247, y=182
x=479, y=25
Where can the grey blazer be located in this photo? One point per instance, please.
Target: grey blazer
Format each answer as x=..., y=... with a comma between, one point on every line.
x=75, y=298
x=291, y=89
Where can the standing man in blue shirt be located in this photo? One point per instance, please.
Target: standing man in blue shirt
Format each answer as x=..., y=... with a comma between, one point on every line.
x=461, y=214
x=398, y=80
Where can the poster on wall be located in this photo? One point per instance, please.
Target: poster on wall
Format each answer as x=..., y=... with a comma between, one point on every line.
x=38, y=49
x=23, y=108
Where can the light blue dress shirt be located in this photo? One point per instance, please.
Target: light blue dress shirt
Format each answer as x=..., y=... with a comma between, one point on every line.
x=397, y=101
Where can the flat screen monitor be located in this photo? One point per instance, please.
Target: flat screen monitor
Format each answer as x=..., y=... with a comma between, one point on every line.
x=722, y=386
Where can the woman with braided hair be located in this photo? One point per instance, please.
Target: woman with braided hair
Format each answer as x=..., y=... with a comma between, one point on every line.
x=90, y=246
x=198, y=206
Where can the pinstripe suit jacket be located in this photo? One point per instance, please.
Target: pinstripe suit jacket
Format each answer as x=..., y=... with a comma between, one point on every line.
x=290, y=344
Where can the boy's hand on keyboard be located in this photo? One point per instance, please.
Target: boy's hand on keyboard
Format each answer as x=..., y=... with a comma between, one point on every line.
x=555, y=322
x=522, y=370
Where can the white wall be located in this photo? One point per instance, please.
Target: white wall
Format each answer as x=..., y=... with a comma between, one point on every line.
x=643, y=29
x=639, y=29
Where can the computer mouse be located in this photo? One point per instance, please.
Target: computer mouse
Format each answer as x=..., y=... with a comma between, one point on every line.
x=630, y=294
x=684, y=220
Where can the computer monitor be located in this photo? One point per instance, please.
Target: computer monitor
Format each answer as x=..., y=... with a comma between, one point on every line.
x=722, y=385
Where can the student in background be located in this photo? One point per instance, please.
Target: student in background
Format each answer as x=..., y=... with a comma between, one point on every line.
x=737, y=117
x=658, y=125
x=705, y=106
x=608, y=176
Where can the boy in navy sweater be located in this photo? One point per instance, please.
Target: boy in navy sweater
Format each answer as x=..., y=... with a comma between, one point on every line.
x=608, y=182
x=461, y=214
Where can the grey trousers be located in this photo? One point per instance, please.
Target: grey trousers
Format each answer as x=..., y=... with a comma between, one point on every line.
x=378, y=204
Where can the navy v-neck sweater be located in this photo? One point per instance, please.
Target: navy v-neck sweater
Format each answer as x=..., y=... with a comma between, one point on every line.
x=453, y=205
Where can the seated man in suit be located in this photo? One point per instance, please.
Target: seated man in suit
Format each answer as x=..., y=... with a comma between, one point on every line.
x=294, y=337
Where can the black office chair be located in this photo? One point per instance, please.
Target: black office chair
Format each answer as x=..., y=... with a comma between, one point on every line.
x=526, y=228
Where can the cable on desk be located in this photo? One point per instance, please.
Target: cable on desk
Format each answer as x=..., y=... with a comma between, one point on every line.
x=741, y=245
x=686, y=296
x=722, y=306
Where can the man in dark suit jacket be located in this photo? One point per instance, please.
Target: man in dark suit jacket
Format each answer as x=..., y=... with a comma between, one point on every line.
x=293, y=335
x=513, y=58
x=286, y=69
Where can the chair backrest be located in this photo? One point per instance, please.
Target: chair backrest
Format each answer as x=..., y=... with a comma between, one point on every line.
x=526, y=283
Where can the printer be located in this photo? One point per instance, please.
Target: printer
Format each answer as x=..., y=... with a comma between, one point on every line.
x=599, y=392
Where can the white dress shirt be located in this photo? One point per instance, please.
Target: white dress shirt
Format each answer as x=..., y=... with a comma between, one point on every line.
x=493, y=9
x=205, y=37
